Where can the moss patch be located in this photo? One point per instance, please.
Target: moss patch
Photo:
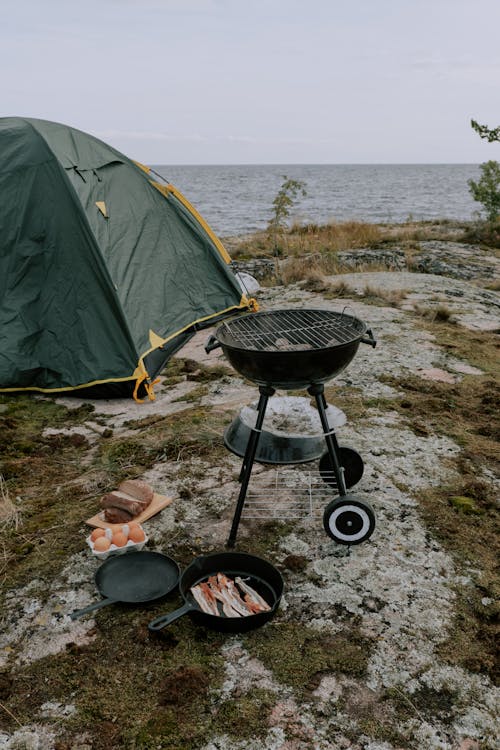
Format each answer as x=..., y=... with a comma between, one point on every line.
x=41, y=475
x=296, y=654
x=463, y=513
x=474, y=633
x=464, y=504
x=246, y=716
x=473, y=539
x=466, y=411
x=196, y=431
x=129, y=689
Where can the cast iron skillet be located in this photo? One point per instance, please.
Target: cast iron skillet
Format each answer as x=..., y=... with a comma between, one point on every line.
x=133, y=578
x=258, y=573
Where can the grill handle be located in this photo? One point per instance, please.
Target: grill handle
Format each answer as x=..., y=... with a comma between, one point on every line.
x=212, y=343
x=369, y=339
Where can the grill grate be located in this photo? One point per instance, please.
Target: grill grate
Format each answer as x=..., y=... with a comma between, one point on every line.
x=292, y=330
x=290, y=494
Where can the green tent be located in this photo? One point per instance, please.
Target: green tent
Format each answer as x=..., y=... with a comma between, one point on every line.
x=105, y=270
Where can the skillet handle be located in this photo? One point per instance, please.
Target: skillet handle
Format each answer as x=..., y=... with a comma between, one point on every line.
x=369, y=338
x=212, y=343
x=165, y=620
x=96, y=605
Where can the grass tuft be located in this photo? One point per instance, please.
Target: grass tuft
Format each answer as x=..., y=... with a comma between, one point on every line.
x=9, y=512
x=376, y=295
x=438, y=314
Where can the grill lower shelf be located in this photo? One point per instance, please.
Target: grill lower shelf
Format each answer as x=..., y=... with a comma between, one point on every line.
x=286, y=494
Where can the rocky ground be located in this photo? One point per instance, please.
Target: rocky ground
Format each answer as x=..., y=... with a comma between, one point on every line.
x=388, y=603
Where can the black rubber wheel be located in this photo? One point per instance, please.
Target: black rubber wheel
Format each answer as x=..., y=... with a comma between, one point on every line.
x=350, y=460
x=348, y=520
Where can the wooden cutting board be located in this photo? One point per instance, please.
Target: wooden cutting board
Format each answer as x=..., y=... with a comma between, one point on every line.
x=157, y=503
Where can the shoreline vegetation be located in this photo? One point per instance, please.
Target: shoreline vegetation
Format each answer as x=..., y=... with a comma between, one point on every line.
x=309, y=252
x=103, y=683
x=303, y=239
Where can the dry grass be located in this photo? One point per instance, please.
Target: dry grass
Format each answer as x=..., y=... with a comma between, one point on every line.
x=310, y=270
x=419, y=231
x=301, y=269
x=390, y=297
x=484, y=233
x=9, y=513
x=493, y=285
x=335, y=236
x=440, y=313
x=305, y=252
x=329, y=289
x=307, y=240
x=341, y=289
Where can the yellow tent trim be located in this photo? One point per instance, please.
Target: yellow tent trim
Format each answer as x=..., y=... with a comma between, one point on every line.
x=155, y=340
x=69, y=387
x=166, y=189
x=143, y=167
x=244, y=303
x=170, y=189
x=102, y=208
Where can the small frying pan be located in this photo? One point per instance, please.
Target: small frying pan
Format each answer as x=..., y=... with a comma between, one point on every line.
x=133, y=578
x=256, y=572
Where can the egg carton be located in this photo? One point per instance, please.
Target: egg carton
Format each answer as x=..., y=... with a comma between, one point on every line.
x=113, y=550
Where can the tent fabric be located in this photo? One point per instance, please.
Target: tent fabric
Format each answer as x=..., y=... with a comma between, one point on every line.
x=104, y=273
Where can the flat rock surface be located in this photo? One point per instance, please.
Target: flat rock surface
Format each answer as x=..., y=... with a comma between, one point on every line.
x=400, y=585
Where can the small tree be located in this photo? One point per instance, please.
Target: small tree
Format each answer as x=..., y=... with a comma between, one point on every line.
x=491, y=134
x=284, y=200
x=487, y=190
x=282, y=204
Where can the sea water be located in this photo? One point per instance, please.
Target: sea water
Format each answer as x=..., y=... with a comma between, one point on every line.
x=237, y=200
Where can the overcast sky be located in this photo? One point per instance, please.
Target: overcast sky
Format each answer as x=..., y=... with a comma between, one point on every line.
x=260, y=81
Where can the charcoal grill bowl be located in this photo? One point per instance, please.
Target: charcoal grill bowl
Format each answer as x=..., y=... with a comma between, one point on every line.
x=276, y=446
x=272, y=448
x=291, y=369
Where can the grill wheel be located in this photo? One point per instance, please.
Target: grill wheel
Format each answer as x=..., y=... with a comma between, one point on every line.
x=351, y=462
x=349, y=520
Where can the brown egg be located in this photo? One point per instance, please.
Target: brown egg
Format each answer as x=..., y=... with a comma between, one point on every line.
x=119, y=539
x=101, y=544
x=96, y=534
x=136, y=534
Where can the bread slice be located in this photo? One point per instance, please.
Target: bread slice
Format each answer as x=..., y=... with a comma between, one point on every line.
x=137, y=489
x=117, y=499
x=117, y=515
x=130, y=499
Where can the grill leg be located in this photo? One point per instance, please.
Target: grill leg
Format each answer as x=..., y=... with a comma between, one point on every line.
x=248, y=460
x=318, y=391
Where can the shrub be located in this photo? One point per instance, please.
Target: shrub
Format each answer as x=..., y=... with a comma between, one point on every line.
x=487, y=190
x=282, y=205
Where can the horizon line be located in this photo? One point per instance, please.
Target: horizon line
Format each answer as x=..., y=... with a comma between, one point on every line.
x=319, y=164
